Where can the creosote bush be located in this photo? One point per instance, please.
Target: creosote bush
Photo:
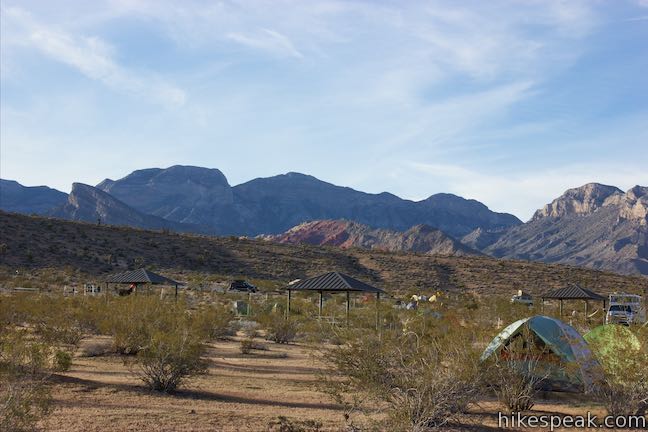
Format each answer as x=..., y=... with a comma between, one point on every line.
x=279, y=329
x=215, y=322
x=169, y=359
x=424, y=381
x=24, y=368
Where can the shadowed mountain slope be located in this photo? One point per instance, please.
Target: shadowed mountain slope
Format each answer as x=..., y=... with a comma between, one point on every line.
x=17, y=198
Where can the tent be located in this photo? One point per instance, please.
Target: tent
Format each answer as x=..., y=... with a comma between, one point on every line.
x=564, y=357
x=612, y=342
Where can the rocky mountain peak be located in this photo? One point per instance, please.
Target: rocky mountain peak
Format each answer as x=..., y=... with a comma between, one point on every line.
x=633, y=205
x=582, y=200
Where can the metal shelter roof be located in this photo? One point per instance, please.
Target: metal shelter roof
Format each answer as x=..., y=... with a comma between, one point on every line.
x=333, y=282
x=573, y=292
x=141, y=276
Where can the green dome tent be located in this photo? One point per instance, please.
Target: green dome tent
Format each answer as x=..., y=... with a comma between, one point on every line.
x=564, y=357
x=612, y=342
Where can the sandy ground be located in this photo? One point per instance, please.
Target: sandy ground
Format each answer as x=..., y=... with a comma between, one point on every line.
x=240, y=393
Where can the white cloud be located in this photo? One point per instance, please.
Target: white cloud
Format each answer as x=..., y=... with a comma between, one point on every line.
x=92, y=57
x=267, y=40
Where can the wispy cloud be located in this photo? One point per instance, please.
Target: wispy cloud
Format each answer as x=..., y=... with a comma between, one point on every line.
x=267, y=40
x=94, y=58
x=466, y=89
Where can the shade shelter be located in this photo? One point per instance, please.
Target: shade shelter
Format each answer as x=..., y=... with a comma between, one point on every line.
x=141, y=277
x=335, y=282
x=573, y=292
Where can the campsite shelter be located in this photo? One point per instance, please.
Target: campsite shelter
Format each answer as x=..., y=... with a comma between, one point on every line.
x=573, y=292
x=563, y=356
x=141, y=277
x=612, y=342
x=334, y=282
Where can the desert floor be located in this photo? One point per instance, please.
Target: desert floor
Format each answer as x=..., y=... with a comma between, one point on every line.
x=240, y=393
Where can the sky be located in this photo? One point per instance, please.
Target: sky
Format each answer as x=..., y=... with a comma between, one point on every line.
x=507, y=102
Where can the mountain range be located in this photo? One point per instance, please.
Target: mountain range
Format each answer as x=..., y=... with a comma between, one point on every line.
x=593, y=225
x=349, y=234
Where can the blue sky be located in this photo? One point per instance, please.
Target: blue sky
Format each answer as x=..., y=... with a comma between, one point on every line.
x=507, y=102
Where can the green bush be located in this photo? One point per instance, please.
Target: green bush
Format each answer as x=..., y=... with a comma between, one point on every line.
x=24, y=395
x=422, y=382
x=279, y=329
x=62, y=361
x=169, y=359
x=133, y=320
x=247, y=345
x=215, y=322
x=624, y=390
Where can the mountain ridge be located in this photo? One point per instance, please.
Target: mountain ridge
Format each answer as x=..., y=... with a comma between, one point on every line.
x=348, y=234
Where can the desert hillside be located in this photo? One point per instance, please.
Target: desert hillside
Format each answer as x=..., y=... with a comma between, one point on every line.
x=56, y=252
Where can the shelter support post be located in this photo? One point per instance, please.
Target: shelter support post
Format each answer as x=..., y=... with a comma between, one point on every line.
x=176, y=292
x=348, y=306
x=542, y=305
x=561, y=307
x=321, y=303
x=586, y=310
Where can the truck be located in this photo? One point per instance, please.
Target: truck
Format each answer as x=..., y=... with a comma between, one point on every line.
x=625, y=309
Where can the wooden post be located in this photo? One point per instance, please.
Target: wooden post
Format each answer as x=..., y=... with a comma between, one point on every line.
x=348, y=306
x=542, y=305
x=321, y=304
x=586, y=310
x=377, y=311
x=176, y=292
x=288, y=306
x=561, y=307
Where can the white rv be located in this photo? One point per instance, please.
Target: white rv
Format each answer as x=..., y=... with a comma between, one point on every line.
x=625, y=309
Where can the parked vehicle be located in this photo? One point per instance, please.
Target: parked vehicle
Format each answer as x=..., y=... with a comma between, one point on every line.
x=242, y=286
x=625, y=309
x=522, y=298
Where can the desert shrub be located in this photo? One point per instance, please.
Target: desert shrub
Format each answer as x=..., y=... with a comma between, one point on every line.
x=624, y=390
x=96, y=348
x=133, y=320
x=422, y=382
x=249, y=344
x=249, y=328
x=169, y=359
x=60, y=332
x=24, y=394
x=279, y=329
x=515, y=383
x=62, y=361
x=215, y=322
x=284, y=424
